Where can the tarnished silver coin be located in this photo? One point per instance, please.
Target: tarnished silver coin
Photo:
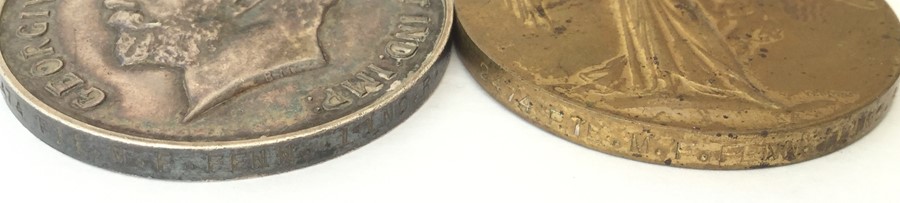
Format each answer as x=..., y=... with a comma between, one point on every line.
x=217, y=89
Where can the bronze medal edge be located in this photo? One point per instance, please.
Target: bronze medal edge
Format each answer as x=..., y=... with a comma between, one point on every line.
x=667, y=145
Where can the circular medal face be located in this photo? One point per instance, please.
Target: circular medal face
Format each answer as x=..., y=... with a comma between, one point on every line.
x=692, y=83
x=200, y=90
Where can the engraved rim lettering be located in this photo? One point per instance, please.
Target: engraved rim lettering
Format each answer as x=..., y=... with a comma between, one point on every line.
x=819, y=75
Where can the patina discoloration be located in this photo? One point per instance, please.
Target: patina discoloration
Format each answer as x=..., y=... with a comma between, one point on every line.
x=694, y=83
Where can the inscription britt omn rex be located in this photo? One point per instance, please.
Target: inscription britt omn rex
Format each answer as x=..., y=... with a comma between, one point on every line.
x=182, y=90
x=412, y=31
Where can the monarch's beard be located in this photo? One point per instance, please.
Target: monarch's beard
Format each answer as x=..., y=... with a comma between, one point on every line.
x=173, y=43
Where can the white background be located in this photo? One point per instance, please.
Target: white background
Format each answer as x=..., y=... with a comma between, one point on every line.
x=462, y=146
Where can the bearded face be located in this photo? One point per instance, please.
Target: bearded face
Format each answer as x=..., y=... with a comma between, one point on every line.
x=265, y=38
x=167, y=33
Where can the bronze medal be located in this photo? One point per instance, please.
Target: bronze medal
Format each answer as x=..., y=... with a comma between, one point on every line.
x=691, y=83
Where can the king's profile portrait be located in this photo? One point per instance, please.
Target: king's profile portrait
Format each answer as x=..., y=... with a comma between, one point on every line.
x=223, y=47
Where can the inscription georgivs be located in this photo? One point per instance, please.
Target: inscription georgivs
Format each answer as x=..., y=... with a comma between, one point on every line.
x=46, y=65
x=672, y=47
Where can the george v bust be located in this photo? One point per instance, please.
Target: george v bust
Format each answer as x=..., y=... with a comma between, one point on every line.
x=223, y=47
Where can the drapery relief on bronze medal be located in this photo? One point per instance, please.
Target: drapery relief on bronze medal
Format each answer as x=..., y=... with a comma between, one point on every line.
x=695, y=56
x=709, y=84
